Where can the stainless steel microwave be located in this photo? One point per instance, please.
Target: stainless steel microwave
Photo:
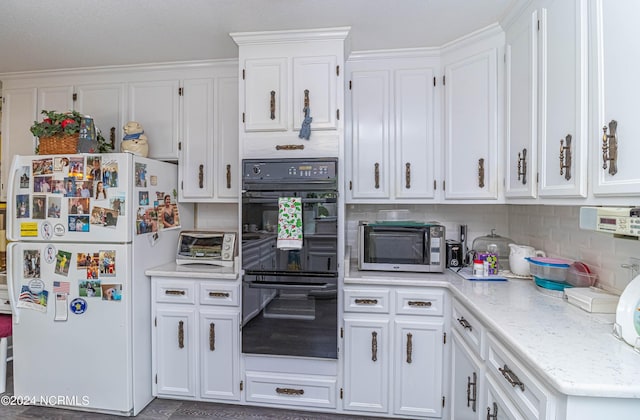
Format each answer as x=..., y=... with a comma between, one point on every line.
x=206, y=247
x=401, y=246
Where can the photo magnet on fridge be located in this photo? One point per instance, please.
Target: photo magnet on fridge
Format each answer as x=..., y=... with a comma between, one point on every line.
x=112, y=292
x=24, y=172
x=89, y=288
x=63, y=260
x=42, y=166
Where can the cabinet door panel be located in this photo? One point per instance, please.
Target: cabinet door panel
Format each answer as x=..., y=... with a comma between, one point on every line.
x=615, y=86
x=196, y=154
x=58, y=98
x=264, y=110
x=176, y=343
x=521, y=107
x=219, y=356
x=105, y=103
x=467, y=383
x=414, y=134
x=318, y=76
x=18, y=114
x=366, y=377
x=155, y=105
x=370, y=134
x=563, y=97
x=227, y=141
x=418, y=368
x=471, y=127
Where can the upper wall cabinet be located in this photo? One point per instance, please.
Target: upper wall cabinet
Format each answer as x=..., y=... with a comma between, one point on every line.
x=615, y=126
x=472, y=135
x=391, y=127
x=19, y=109
x=291, y=83
x=546, y=64
x=209, y=140
x=156, y=105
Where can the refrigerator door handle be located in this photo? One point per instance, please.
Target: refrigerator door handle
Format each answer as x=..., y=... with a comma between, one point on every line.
x=10, y=277
x=10, y=213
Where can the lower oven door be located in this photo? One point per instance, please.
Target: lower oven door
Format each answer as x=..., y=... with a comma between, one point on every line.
x=290, y=316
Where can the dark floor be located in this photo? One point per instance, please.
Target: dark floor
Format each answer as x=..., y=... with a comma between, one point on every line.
x=165, y=409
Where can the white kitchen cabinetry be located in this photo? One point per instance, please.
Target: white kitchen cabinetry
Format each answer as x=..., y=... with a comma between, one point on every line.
x=467, y=382
x=156, y=105
x=467, y=365
x=521, y=108
x=391, y=127
x=19, y=109
x=528, y=395
x=283, y=73
x=613, y=87
x=546, y=68
x=195, y=339
x=472, y=105
x=104, y=101
x=208, y=152
x=394, y=351
x=484, y=370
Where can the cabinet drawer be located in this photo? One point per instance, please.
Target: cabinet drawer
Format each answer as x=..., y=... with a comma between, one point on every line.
x=366, y=300
x=175, y=291
x=420, y=302
x=529, y=395
x=471, y=330
x=219, y=294
x=295, y=390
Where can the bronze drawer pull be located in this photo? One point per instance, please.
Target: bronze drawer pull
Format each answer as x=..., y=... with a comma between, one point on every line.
x=565, y=157
x=481, y=173
x=290, y=391
x=511, y=377
x=212, y=337
x=175, y=292
x=201, y=176
x=610, y=147
x=495, y=412
x=228, y=176
x=290, y=147
x=465, y=324
x=472, y=395
x=272, y=105
x=181, y=334
x=376, y=175
x=374, y=346
x=409, y=346
x=522, y=166
x=366, y=301
x=419, y=303
x=407, y=175
x=219, y=294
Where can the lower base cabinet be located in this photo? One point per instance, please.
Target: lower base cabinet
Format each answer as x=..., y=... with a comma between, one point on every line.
x=394, y=363
x=467, y=382
x=195, y=339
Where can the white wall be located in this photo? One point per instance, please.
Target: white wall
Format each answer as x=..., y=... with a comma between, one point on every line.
x=553, y=229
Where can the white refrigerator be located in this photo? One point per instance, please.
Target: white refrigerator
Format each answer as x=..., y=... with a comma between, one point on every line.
x=83, y=230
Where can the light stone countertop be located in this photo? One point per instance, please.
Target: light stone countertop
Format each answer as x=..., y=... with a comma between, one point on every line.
x=572, y=350
x=195, y=271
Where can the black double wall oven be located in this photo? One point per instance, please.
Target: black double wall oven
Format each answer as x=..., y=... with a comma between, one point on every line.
x=290, y=293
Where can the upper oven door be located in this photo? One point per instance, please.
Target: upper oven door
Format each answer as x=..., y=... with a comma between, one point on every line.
x=318, y=255
x=394, y=244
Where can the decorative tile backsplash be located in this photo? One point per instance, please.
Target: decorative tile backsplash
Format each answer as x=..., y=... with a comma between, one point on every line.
x=553, y=229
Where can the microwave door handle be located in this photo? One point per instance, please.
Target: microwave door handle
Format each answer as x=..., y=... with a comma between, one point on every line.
x=395, y=229
x=427, y=248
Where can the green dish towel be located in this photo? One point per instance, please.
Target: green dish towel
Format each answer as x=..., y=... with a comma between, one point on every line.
x=289, y=223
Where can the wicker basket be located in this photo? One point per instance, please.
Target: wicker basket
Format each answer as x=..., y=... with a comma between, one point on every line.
x=58, y=145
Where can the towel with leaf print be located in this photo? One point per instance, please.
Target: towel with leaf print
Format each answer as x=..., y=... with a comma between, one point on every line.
x=289, y=223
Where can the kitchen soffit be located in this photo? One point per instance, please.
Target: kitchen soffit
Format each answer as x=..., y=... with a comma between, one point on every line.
x=39, y=35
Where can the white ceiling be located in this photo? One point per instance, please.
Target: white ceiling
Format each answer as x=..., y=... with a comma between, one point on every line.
x=55, y=34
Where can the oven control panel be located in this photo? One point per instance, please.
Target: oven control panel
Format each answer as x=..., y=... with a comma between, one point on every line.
x=289, y=169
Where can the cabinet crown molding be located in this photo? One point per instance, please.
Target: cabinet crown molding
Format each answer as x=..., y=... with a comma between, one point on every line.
x=270, y=37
